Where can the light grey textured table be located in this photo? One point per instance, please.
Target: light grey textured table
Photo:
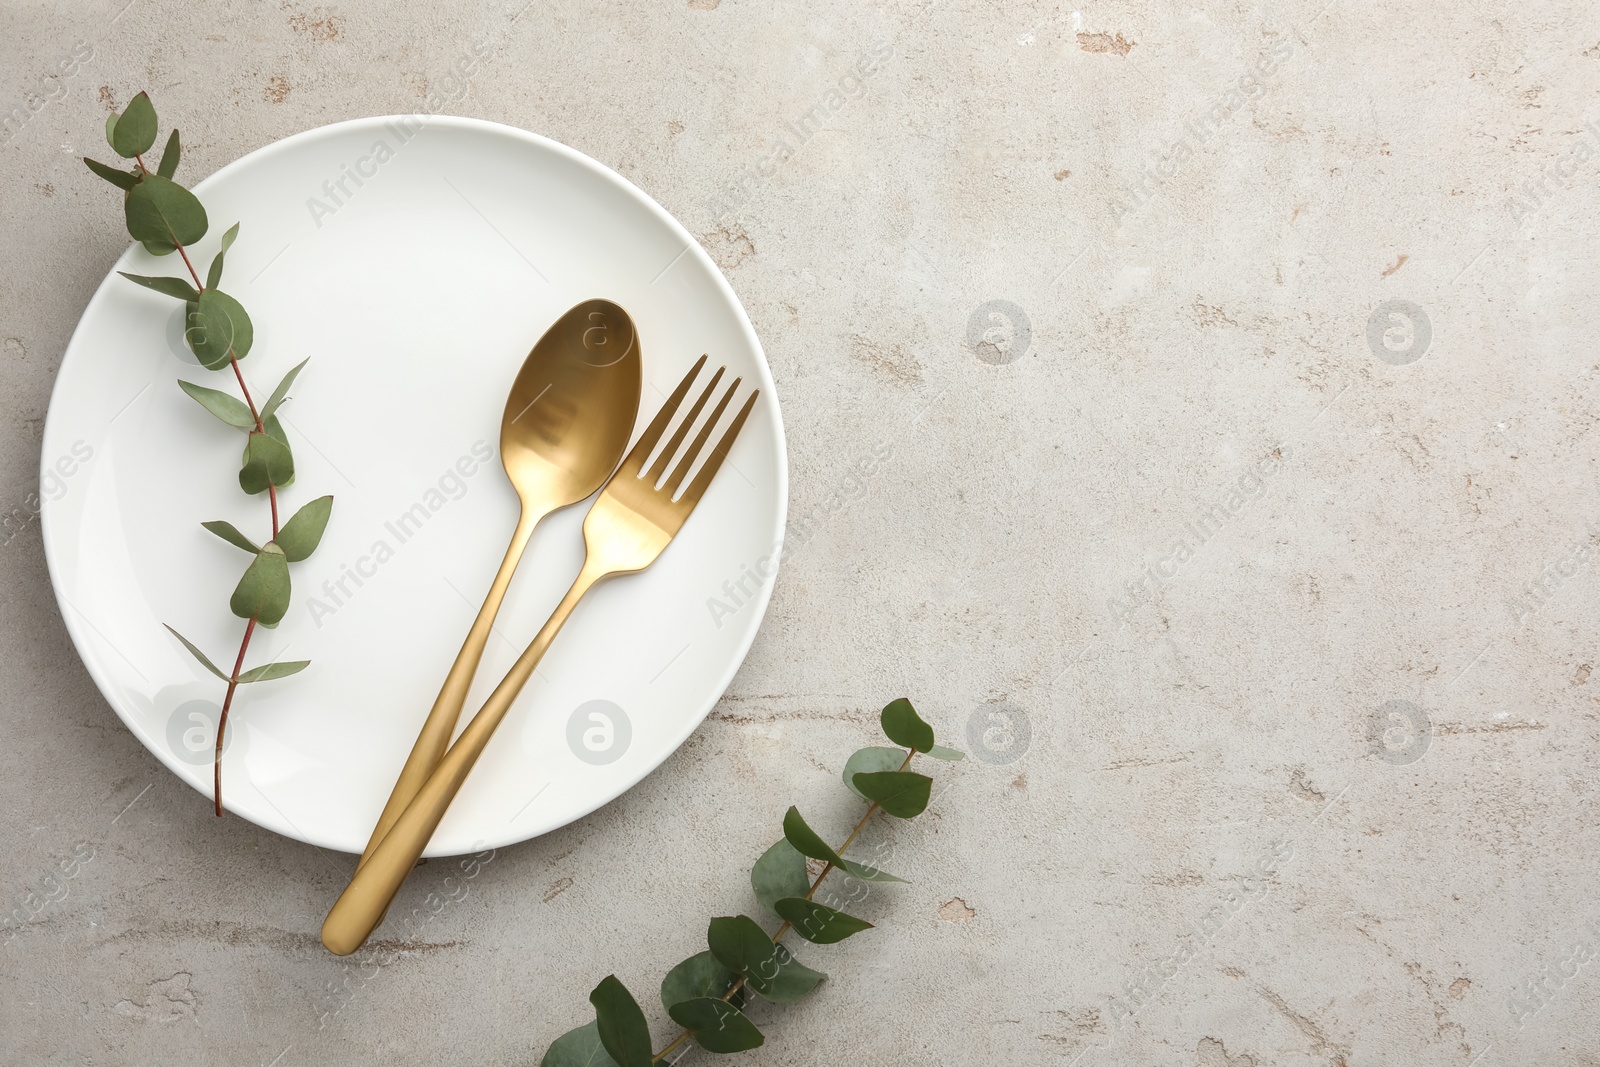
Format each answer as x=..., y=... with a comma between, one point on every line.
x=1235, y=370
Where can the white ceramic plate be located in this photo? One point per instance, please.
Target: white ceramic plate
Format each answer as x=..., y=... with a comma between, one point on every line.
x=416, y=294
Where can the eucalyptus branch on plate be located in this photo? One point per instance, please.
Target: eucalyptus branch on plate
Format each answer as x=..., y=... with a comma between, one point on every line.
x=706, y=993
x=165, y=217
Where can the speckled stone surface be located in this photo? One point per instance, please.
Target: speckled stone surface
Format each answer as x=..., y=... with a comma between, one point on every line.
x=1191, y=407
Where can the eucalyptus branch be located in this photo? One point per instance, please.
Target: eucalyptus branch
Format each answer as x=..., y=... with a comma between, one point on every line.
x=165, y=217
x=705, y=994
x=786, y=926
x=272, y=499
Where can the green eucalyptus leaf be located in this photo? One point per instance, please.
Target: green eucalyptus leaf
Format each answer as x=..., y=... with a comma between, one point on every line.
x=869, y=874
x=169, y=286
x=623, y=1031
x=779, y=873
x=169, y=157
x=120, y=178
x=871, y=759
x=903, y=726
x=135, y=130
x=197, y=654
x=578, y=1048
x=111, y=128
x=267, y=462
x=244, y=331
x=281, y=393
x=718, y=1027
x=274, y=430
x=263, y=592
x=268, y=671
x=217, y=328
x=230, y=533
x=301, y=534
x=818, y=923
x=903, y=794
x=209, y=331
x=738, y=942
x=768, y=968
x=159, y=209
x=940, y=752
x=229, y=409
x=799, y=834
x=214, y=275
x=701, y=975
x=802, y=837
x=159, y=248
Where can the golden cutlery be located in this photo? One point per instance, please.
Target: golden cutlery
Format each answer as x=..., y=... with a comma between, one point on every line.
x=625, y=531
x=566, y=424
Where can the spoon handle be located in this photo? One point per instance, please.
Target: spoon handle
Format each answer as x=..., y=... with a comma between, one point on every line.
x=437, y=729
x=362, y=905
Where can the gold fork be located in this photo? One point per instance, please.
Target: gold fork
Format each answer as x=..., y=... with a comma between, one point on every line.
x=625, y=531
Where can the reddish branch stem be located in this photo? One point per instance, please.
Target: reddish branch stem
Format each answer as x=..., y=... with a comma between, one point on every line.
x=245, y=389
x=272, y=499
x=222, y=720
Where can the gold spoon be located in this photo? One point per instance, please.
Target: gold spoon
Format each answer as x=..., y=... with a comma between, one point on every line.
x=566, y=425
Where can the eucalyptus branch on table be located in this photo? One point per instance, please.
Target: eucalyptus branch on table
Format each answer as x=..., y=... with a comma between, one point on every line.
x=165, y=217
x=706, y=993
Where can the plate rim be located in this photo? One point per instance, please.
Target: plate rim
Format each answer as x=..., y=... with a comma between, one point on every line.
x=274, y=821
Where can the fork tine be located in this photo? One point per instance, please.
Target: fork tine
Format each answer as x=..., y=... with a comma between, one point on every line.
x=671, y=488
x=652, y=433
x=691, y=495
x=683, y=429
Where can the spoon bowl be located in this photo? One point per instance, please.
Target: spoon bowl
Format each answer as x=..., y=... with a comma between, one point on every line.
x=572, y=407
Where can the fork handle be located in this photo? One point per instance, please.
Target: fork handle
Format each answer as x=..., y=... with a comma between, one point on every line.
x=440, y=724
x=361, y=907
